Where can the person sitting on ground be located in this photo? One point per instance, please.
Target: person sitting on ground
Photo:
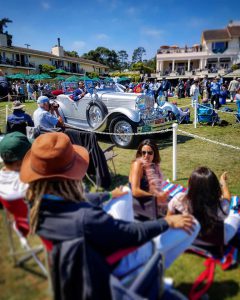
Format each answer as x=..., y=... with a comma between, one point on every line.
x=44, y=116
x=13, y=148
x=183, y=115
x=145, y=177
x=18, y=120
x=209, y=201
x=80, y=92
x=54, y=169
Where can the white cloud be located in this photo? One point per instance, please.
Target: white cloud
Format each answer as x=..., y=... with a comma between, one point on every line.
x=45, y=5
x=152, y=32
x=131, y=11
x=78, y=45
x=196, y=22
x=102, y=36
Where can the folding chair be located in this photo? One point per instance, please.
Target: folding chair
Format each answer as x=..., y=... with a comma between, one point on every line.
x=16, y=126
x=80, y=272
x=109, y=155
x=146, y=283
x=146, y=208
x=237, y=115
x=15, y=215
x=206, y=114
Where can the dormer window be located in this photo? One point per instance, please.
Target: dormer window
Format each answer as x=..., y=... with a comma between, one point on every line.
x=219, y=47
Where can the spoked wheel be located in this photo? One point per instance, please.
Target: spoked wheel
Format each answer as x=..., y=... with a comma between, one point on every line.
x=96, y=112
x=120, y=126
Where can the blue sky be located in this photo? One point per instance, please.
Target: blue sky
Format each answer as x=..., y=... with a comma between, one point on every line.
x=115, y=24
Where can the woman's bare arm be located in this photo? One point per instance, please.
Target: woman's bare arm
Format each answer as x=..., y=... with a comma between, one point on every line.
x=224, y=186
x=136, y=173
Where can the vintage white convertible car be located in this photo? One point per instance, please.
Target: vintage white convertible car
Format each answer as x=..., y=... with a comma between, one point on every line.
x=119, y=113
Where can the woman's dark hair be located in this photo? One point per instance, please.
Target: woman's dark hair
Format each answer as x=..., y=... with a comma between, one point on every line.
x=204, y=193
x=150, y=143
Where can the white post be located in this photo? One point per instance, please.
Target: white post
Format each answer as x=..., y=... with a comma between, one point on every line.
x=195, y=113
x=175, y=127
x=6, y=112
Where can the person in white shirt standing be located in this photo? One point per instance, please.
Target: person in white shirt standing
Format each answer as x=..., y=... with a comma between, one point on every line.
x=194, y=91
x=232, y=88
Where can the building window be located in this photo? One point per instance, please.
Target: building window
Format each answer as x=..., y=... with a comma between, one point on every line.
x=219, y=47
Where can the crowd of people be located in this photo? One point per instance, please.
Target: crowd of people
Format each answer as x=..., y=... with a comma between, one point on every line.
x=48, y=173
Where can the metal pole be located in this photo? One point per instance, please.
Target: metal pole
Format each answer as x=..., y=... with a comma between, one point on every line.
x=195, y=113
x=175, y=127
x=6, y=112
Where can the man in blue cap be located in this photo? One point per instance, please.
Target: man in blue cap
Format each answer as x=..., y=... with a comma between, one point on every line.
x=47, y=116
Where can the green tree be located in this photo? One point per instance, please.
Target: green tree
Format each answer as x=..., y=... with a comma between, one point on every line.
x=151, y=63
x=71, y=53
x=138, y=54
x=123, y=57
x=92, y=55
x=104, y=56
x=140, y=66
x=46, y=68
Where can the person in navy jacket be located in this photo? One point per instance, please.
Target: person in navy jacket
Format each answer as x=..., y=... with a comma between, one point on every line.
x=80, y=92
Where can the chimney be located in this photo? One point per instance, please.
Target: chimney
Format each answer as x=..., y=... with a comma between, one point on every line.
x=58, y=42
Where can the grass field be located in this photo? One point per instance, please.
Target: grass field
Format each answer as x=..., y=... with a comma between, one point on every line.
x=17, y=284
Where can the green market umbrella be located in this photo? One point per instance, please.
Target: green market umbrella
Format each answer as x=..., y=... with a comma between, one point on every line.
x=73, y=78
x=121, y=79
x=108, y=79
x=59, y=78
x=45, y=76
x=59, y=71
x=84, y=78
x=18, y=76
x=95, y=79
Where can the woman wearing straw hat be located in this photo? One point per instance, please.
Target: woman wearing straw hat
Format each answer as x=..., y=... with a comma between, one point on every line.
x=54, y=169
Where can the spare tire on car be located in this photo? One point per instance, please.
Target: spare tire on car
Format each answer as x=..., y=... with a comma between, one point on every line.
x=96, y=112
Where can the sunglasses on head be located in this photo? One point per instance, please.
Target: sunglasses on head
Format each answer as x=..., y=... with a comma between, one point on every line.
x=147, y=152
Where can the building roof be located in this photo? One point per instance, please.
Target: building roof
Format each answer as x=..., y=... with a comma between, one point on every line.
x=222, y=34
x=234, y=31
x=217, y=34
x=50, y=55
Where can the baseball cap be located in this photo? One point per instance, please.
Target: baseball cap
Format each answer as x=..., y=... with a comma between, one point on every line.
x=14, y=146
x=42, y=99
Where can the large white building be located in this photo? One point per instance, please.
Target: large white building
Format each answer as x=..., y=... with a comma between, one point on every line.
x=218, y=51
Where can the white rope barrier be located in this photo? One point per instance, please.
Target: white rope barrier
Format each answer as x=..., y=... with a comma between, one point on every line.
x=208, y=140
x=2, y=98
x=120, y=134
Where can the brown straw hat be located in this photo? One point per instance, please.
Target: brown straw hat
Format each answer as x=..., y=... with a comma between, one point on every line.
x=53, y=156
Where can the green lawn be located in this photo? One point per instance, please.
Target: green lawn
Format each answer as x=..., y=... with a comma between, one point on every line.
x=16, y=284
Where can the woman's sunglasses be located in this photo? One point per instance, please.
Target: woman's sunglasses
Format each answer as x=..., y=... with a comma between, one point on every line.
x=147, y=152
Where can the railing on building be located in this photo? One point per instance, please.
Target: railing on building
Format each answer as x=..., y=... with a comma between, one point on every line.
x=16, y=63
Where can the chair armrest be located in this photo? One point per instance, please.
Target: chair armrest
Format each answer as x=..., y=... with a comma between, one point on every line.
x=110, y=148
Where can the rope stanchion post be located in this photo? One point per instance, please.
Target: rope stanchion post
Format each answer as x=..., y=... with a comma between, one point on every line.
x=6, y=112
x=195, y=114
x=174, y=168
